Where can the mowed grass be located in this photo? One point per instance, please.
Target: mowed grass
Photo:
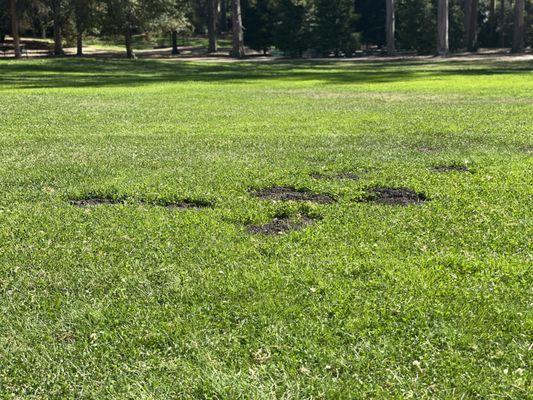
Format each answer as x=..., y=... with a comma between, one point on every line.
x=138, y=301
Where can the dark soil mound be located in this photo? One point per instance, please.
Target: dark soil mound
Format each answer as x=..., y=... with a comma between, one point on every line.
x=187, y=203
x=395, y=196
x=95, y=201
x=451, y=168
x=281, y=225
x=289, y=193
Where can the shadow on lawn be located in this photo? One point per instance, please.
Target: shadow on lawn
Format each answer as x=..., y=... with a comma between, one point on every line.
x=90, y=72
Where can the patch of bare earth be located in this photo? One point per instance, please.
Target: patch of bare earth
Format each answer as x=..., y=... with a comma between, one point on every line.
x=187, y=204
x=288, y=193
x=451, y=168
x=394, y=196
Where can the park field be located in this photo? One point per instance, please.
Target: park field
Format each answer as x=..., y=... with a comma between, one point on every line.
x=266, y=230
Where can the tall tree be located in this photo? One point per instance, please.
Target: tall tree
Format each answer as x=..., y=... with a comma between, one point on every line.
x=291, y=27
x=259, y=32
x=471, y=7
x=223, y=16
x=238, y=38
x=502, y=23
x=212, y=24
x=518, y=31
x=370, y=21
x=57, y=16
x=334, y=27
x=492, y=20
x=83, y=13
x=15, y=27
x=390, y=26
x=443, y=27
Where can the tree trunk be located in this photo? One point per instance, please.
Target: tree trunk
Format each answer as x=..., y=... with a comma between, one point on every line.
x=127, y=37
x=58, y=45
x=518, y=31
x=443, y=28
x=79, y=37
x=471, y=24
x=175, y=50
x=212, y=25
x=502, y=23
x=238, y=37
x=223, y=17
x=79, y=43
x=492, y=21
x=390, y=27
x=15, y=28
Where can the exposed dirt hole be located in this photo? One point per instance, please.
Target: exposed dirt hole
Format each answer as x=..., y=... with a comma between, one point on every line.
x=395, y=196
x=186, y=204
x=336, y=175
x=281, y=225
x=95, y=201
x=451, y=168
x=290, y=193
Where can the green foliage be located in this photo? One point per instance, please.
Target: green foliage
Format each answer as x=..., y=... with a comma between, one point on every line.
x=333, y=28
x=371, y=21
x=416, y=25
x=259, y=18
x=291, y=27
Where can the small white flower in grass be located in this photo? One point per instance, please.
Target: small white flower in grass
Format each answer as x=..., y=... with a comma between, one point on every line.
x=418, y=365
x=312, y=290
x=304, y=371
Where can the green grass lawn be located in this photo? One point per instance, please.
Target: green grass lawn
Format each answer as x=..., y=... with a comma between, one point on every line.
x=138, y=301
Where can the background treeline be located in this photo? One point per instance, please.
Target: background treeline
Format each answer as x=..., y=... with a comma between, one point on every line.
x=292, y=27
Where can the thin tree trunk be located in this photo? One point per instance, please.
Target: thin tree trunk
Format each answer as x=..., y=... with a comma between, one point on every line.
x=518, y=31
x=58, y=45
x=175, y=50
x=502, y=23
x=238, y=37
x=443, y=27
x=390, y=27
x=15, y=28
x=79, y=36
x=212, y=25
x=471, y=25
x=79, y=43
x=223, y=17
x=127, y=37
x=492, y=21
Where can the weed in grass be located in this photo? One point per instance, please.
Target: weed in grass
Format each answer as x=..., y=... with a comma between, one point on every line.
x=280, y=225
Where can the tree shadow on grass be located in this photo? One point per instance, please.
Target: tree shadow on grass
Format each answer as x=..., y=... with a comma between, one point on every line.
x=93, y=72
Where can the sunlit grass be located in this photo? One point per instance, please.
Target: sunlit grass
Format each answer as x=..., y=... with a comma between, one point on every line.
x=136, y=300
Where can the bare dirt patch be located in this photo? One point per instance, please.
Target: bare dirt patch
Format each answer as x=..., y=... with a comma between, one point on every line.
x=335, y=175
x=451, y=168
x=286, y=193
x=280, y=225
x=394, y=196
x=187, y=204
x=95, y=201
